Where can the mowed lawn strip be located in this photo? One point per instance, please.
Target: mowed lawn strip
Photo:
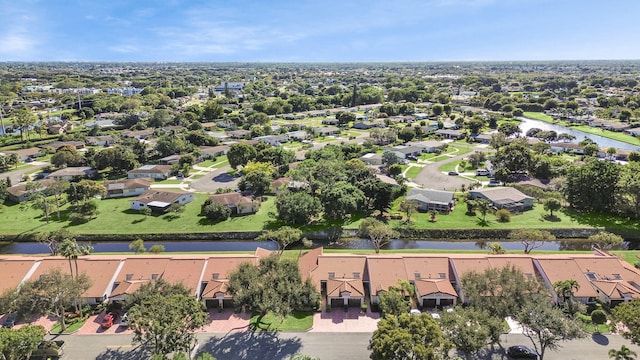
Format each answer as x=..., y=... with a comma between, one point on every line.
x=297, y=321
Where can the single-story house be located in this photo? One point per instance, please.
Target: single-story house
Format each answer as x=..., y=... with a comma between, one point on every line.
x=158, y=172
x=363, y=125
x=161, y=200
x=273, y=140
x=19, y=193
x=57, y=144
x=372, y=159
x=482, y=138
x=138, y=134
x=170, y=160
x=330, y=122
x=451, y=134
x=504, y=198
x=406, y=150
x=567, y=147
x=213, y=151
x=71, y=173
x=427, y=146
x=59, y=128
x=327, y=130
x=429, y=199
x=26, y=154
x=238, y=203
x=128, y=187
x=239, y=134
x=298, y=135
x=102, y=140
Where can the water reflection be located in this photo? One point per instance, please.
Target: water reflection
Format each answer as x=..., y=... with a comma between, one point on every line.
x=526, y=124
x=208, y=246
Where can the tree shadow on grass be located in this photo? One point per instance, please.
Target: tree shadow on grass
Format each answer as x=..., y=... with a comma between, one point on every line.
x=483, y=222
x=551, y=218
x=252, y=345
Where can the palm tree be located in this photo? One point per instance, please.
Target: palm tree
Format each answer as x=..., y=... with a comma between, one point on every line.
x=566, y=289
x=623, y=354
x=70, y=249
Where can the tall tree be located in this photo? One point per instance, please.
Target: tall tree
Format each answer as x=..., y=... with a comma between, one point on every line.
x=341, y=199
x=531, y=238
x=565, y=289
x=501, y=292
x=378, y=232
x=51, y=294
x=409, y=207
x=275, y=285
x=469, y=329
x=298, y=207
x=628, y=313
x=592, y=186
x=240, y=154
x=19, y=343
x=167, y=323
x=547, y=326
x=407, y=337
x=283, y=236
x=606, y=240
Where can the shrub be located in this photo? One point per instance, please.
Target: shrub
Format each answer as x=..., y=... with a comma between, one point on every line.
x=215, y=211
x=598, y=317
x=503, y=215
x=363, y=307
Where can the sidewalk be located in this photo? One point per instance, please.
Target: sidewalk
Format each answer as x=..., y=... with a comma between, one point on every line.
x=338, y=320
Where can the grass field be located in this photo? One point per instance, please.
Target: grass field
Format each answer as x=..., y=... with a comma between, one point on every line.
x=457, y=219
x=116, y=217
x=413, y=172
x=538, y=116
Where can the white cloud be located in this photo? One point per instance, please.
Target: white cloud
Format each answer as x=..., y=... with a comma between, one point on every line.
x=18, y=44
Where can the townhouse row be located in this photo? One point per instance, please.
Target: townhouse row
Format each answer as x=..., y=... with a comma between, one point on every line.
x=343, y=279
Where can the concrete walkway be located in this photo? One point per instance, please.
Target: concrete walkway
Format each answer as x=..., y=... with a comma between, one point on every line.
x=515, y=326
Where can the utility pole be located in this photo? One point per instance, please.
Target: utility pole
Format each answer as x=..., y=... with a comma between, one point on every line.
x=2, y=120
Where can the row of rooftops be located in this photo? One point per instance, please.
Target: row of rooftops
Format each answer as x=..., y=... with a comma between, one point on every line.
x=114, y=276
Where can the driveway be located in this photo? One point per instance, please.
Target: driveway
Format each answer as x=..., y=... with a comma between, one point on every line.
x=16, y=175
x=226, y=321
x=349, y=321
x=92, y=327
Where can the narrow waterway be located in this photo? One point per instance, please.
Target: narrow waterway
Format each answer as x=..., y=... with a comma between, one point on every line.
x=210, y=246
x=526, y=124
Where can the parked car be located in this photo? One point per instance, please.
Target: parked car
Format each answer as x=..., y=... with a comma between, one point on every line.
x=10, y=320
x=521, y=352
x=48, y=350
x=453, y=173
x=124, y=320
x=108, y=320
x=482, y=172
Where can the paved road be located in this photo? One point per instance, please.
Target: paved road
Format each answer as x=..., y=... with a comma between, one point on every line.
x=233, y=346
x=432, y=178
x=16, y=175
x=326, y=346
x=214, y=180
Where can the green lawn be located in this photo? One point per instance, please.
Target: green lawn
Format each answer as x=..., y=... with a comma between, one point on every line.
x=220, y=161
x=116, y=217
x=73, y=327
x=413, y=172
x=538, y=116
x=298, y=321
x=457, y=219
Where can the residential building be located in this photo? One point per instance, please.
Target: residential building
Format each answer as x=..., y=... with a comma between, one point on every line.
x=429, y=199
x=20, y=193
x=158, y=172
x=161, y=200
x=240, y=204
x=504, y=198
x=73, y=173
x=127, y=187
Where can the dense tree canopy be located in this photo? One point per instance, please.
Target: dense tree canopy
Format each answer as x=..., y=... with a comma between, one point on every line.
x=407, y=337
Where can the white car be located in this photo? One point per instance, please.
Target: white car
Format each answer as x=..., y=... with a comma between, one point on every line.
x=123, y=321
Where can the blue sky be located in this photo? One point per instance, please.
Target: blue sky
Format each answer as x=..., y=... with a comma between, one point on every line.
x=318, y=31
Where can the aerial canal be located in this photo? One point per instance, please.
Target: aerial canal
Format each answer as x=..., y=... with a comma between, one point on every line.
x=248, y=245
x=526, y=124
